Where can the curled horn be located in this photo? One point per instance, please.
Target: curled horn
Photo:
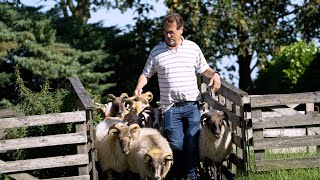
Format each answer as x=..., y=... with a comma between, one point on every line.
x=114, y=128
x=134, y=97
x=226, y=119
x=124, y=95
x=169, y=157
x=110, y=97
x=134, y=127
x=149, y=96
x=204, y=117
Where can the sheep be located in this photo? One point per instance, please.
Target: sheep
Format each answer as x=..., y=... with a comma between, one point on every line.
x=148, y=117
x=115, y=107
x=138, y=103
x=113, y=146
x=151, y=155
x=215, y=141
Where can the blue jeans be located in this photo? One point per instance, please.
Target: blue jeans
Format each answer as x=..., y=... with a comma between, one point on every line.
x=181, y=128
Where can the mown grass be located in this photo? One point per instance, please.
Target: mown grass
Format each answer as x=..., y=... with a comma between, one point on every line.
x=291, y=174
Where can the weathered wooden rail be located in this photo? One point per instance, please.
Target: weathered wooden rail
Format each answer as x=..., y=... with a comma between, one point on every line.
x=82, y=138
x=285, y=123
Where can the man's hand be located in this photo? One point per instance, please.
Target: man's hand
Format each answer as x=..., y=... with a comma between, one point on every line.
x=137, y=91
x=215, y=82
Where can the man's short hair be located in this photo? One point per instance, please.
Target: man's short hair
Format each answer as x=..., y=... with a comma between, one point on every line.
x=173, y=17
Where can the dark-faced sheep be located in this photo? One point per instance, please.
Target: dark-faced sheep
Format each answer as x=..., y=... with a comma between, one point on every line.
x=115, y=107
x=215, y=141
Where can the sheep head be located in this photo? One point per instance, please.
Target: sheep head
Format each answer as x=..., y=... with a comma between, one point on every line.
x=136, y=106
x=125, y=135
x=132, y=119
x=158, y=162
x=215, y=121
x=117, y=105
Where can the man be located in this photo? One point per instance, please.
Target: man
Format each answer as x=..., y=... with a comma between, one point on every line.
x=176, y=62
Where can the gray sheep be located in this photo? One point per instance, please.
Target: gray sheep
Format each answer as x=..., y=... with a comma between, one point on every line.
x=215, y=140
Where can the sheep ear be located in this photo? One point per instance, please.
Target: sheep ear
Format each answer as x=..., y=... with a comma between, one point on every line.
x=147, y=158
x=124, y=95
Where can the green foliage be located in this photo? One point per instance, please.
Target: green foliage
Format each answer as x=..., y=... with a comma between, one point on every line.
x=28, y=39
x=283, y=74
x=43, y=102
x=249, y=30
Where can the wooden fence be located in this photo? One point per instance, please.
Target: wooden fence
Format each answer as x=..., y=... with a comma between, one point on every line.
x=82, y=139
x=285, y=123
x=261, y=122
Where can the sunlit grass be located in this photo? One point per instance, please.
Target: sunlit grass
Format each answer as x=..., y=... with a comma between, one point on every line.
x=292, y=174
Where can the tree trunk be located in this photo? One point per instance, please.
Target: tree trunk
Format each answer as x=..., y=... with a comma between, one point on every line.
x=245, y=81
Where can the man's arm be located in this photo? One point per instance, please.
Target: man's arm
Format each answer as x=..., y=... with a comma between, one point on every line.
x=215, y=81
x=142, y=81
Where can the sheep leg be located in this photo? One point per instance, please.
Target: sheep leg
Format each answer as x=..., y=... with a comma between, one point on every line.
x=218, y=171
x=209, y=169
x=109, y=174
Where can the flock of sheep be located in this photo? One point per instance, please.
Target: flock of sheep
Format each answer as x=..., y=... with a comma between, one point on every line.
x=130, y=138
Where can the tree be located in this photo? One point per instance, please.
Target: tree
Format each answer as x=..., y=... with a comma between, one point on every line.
x=28, y=39
x=247, y=29
x=292, y=70
x=79, y=10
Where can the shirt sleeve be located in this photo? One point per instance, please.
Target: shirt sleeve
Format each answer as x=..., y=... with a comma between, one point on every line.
x=202, y=64
x=149, y=67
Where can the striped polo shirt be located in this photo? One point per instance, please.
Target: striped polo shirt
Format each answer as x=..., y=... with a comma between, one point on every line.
x=176, y=71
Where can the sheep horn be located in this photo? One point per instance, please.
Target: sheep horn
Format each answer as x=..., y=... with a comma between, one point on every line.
x=114, y=128
x=149, y=96
x=168, y=157
x=110, y=97
x=124, y=95
x=134, y=127
x=226, y=119
x=204, y=116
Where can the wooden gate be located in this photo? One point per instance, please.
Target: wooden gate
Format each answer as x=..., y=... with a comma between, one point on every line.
x=285, y=123
x=81, y=139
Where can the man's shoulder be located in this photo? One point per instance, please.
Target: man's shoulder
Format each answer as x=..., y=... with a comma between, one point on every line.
x=161, y=45
x=158, y=49
x=190, y=43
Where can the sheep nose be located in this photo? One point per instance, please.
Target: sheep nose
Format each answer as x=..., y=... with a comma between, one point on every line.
x=157, y=177
x=126, y=152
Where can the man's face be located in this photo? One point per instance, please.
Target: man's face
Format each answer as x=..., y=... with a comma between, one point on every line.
x=172, y=35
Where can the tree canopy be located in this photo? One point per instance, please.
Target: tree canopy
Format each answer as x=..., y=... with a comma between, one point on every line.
x=249, y=30
x=29, y=39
